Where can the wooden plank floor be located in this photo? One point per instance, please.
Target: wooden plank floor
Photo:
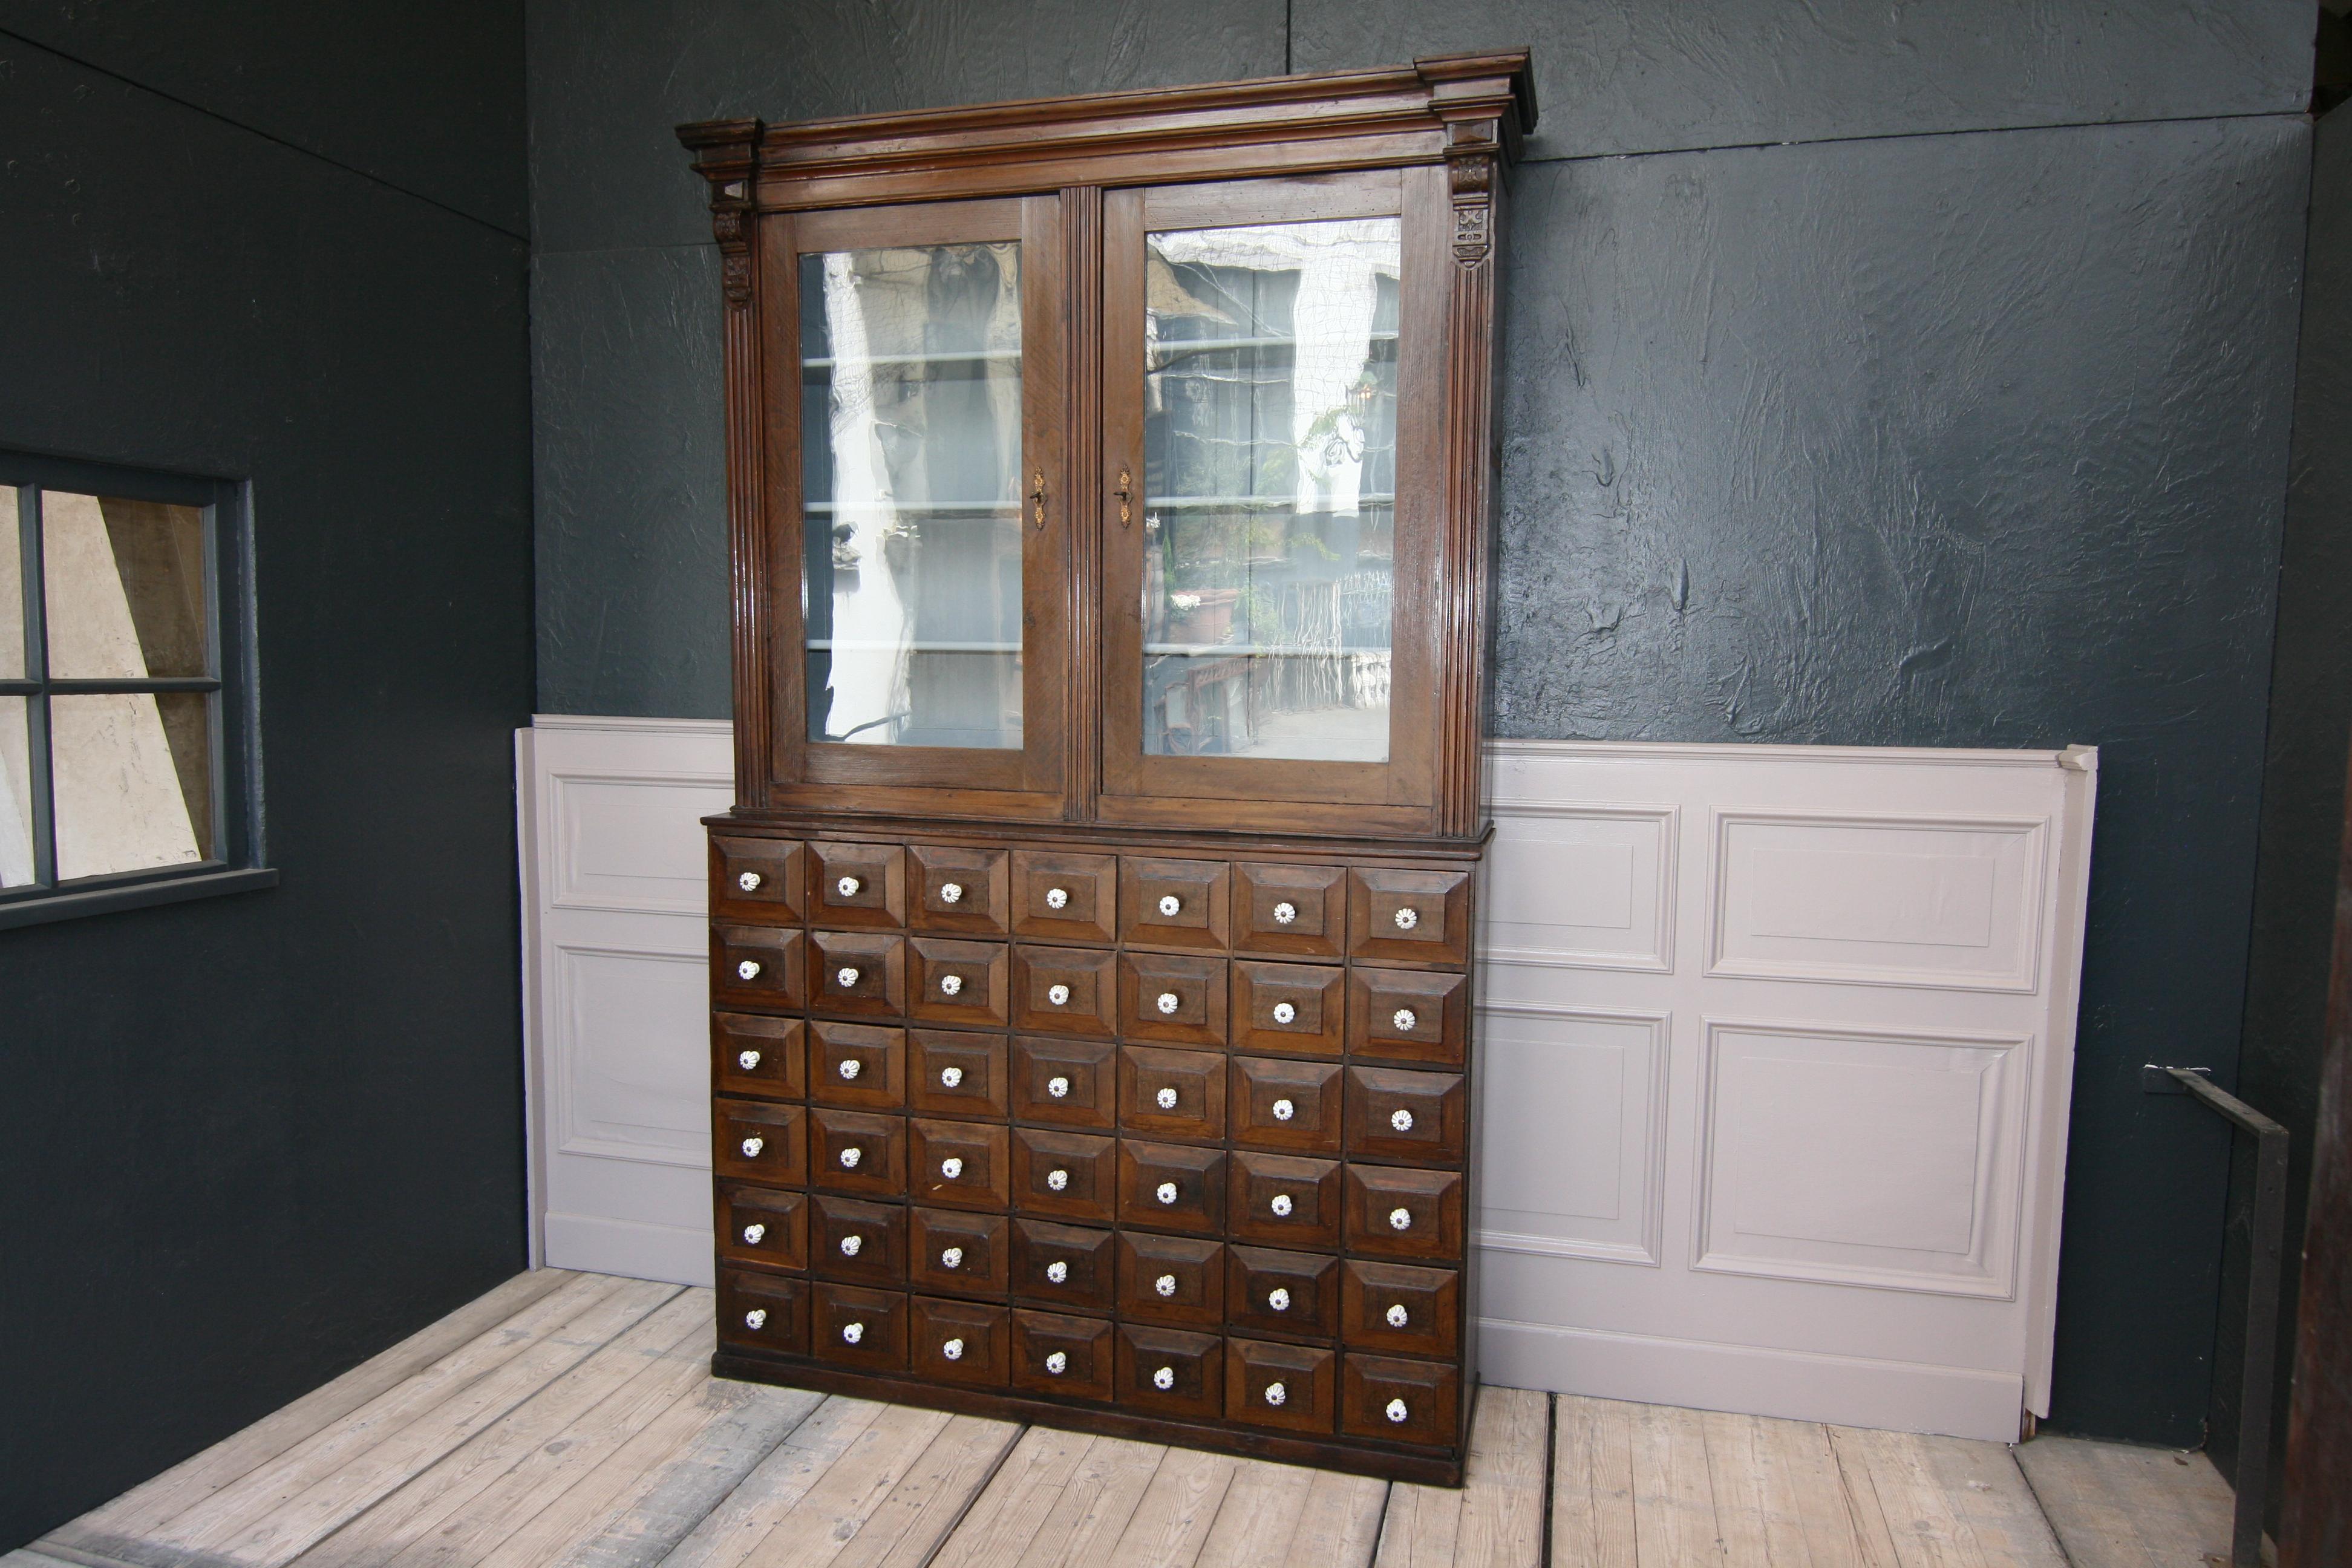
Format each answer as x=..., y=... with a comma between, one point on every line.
x=569, y=1421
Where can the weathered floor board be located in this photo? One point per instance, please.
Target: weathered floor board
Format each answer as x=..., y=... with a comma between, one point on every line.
x=570, y=1421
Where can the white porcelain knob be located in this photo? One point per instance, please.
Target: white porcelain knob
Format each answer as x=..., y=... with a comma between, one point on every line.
x=1284, y=1013
x=1056, y=1272
x=756, y=1319
x=1403, y=1020
x=1164, y=1379
x=1059, y=1088
x=749, y=881
x=751, y=1147
x=953, y=1350
x=951, y=1257
x=951, y=1168
x=1058, y=1179
x=1398, y=1317
x=1401, y=1119
x=1400, y=1219
x=1169, y=1002
x=1283, y=1111
x=1165, y=1284
x=1057, y=898
x=748, y=970
x=1278, y=1299
x=1058, y=1363
x=850, y=1245
x=847, y=887
x=1276, y=1393
x=748, y=1061
x=852, y=1332
x=1397, y=1412
x=1406, y=919
x=850, y=1067
x=1059, y=995
x=951, y=1076
x=1169, y=903
x=1280, y=1205
x=951, y=892
x=1285, y=913
x=1165, y=1099
x=849, y=1158
x=845, y=976
x=752, y=1233
x=1165, y=1192
x=950, y=984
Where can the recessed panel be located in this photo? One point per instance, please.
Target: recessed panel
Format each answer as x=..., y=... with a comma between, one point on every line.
x=1571, y=1152
x=632, y=844
x=632, y=1077
x=1581, y=888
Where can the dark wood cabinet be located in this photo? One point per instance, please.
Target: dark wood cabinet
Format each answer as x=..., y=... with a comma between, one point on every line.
x=1093, y=935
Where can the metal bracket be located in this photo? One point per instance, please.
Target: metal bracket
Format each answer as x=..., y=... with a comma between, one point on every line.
x=2155, y=1079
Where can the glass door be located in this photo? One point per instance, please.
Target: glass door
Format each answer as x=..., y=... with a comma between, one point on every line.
x=918, y=506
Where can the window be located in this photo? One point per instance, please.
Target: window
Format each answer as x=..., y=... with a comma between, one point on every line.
x=128, y=750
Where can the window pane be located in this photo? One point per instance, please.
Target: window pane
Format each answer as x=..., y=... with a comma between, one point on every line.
x=133, y=781
x=11, y=587
x=16, y=796
x=910, y=414
x=1269, y=455
x=126, y=586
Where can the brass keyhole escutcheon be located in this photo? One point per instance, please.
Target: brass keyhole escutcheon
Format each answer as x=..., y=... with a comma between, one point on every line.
x=1126, y=493
x=1037, y=494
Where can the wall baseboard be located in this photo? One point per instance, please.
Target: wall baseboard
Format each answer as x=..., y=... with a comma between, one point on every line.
x=601, y=1245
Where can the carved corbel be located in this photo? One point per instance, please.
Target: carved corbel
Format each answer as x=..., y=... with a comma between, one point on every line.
x=1472, y=149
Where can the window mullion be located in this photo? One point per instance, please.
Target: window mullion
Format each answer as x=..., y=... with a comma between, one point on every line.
x=36, y=706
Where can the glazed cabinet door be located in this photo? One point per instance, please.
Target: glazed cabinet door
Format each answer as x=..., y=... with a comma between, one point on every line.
x=1273, y=380
x=917, y=509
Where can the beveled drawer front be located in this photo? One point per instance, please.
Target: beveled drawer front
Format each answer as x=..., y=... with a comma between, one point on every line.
x=858, y=1328
x=960, y=1341
x=856, y=972
x=857, y=885
x=1296, y=909
x=858, y=1065
x=1408, y=1014
x=758, y=1225
x=1293, y=1387
x=1298, y=1009
x=755, y=1142
x=1057, y=1354
x=1409, y=917
x=965, y=891
x=757, y=966
x=963, y=1253
x=1172, y=903
x=1399, y=1114
x=966, y=982
x=1170, y=1279
x=764, y=1311
x=854, y=1152
x=960, y=1164
x=1400, y=1401
x=1270, y=1292
x=956, y=1075
x=1064, y=991
x=1170, y=1186
x=1396, y=1307
x=1400, y=1212
x=1062, y=1265
x=1064, y=897
x=1285, y=1105
x=756, y=879
x=1283, y=1200
x=1070, y=1083
x=1171, y=996
x=1171, y=1093
x=755, y=1056
x=853, y=1241
x=1171, y=1370
x=1069, y=1174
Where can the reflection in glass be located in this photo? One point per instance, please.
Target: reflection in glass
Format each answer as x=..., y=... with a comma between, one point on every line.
x=126, y=587
x=16, y=796
x=133, y=780
x=1270, y=386
x=910, y=417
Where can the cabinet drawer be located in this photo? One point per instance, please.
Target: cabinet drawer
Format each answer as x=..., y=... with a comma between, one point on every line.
x=1398, y=1213
x=863, y=973
x=857, y=885
x=1064, y=897
x=961, y=1342
x=1062, y=990
x=1282, y=1292
x=1057, y=1354
x=1292, y=1387
x=1409, y=917
x=1298, y=1009
x=1173, y=903
x=1168, y=996
x=1408, y=1014
x=956, y=1075
x=1171, y=1094
x=1170, y=1186
x=1069, y=1083
x=853, y=1151
x=758, y=1225
x=1296, y=909
x=963, y=892
x=1285, y=1201
x=963, y=1253
x=1396, y=1307
x=1173, y=1279
x=757, y=1056
x=757, y=966
x=967, y=982
x=858, y=1065
x=1285, y=1105
x=959, y=1164
x=756, y=879
x=858, y=1328
x=1069, y=1174
x=1062, y=1265
x=1169, y=1371
x=1400, y=1401
x=754, y=1142
x=1397, y=1114
x=859, y=1241
x=764, y=1311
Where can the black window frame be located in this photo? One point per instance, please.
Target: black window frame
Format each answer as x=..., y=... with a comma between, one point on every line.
x=237, y=864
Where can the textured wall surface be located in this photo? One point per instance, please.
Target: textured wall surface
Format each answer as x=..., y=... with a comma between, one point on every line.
x=247, y=1141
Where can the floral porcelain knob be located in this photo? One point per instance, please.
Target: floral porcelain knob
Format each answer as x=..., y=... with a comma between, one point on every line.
x=1165, y=1285
x=951, y=1168
x=953, y=1350
x=1169, y=903
x=847, y=887
x=1058, y=1179
x=1059, y=996
x=851, y=1246
x=756, y=1319
x=1056, y=1364
x=749, y=881
x=1165, y=1099
x=1406, y=919
x=1398, y=1317
x=950, y=984
x=845, y=976
x=1284, y=1013
x=1169, y=1002
x=1165, y=1192
x=1401, y=1119
x=850, y=1156
x=752, y=1233
x=1164, y=1379
x=1403, y=1020
x=951, y=892
x=850, y=1067
x=1400, y=1219
x=1279, y=1299
x=951, y=1076
x=1280, y=1205
x=951, y=1257
x=1057, y=1272
x=1285, y=914
x=1283, y=1111
x=751, y=1147
x=748, y=970
x=1396, y=1411
x=749, y=1061
x=1276, y=1393
x=1059, y=1088
x=852, y=1332
x=1057, y=898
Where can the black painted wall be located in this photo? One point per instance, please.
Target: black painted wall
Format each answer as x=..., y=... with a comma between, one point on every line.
x=247, y=1141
